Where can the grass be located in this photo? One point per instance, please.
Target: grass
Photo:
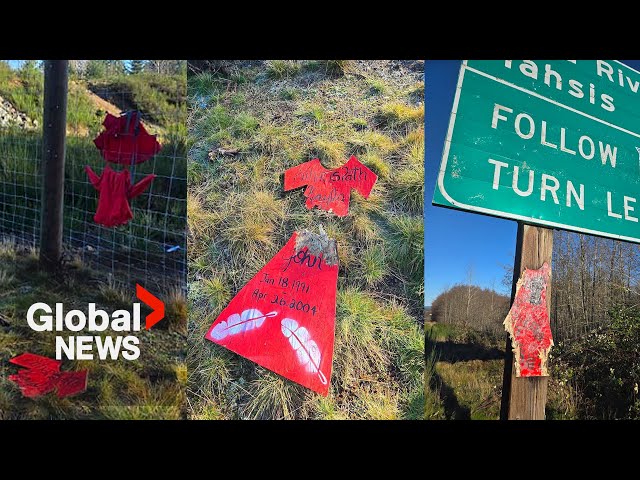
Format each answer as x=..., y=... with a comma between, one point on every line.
x=239, y=217
x=279, y=69
x=398, y=115
x=160, y=98
x=471, y=386
x=376, y=86
x=331, y=68
x=152, y=387
x=159, y=216
x=408, y=187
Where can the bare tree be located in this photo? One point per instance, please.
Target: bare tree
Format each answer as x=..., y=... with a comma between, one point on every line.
x=166, y=67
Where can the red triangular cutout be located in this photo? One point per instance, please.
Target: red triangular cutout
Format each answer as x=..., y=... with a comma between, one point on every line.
x=284, y=318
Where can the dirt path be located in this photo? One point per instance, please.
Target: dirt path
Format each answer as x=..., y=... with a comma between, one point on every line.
x=101, y=103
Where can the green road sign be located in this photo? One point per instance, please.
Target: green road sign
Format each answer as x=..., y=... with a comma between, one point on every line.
x=548, y=142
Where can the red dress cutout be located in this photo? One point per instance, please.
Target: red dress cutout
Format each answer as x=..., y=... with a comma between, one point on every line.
x=42, y=375
x=284, y=317
x=115, y=192
x=125, y=140
x=330, y=190
x=528, y=323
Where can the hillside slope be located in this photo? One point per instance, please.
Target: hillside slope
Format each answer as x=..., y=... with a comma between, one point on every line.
x=160, y=98
x=275, y=115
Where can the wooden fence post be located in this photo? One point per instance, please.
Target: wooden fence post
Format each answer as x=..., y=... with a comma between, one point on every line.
x=54, y=127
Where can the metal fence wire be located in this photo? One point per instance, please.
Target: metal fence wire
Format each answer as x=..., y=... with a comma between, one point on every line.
x=151, y=247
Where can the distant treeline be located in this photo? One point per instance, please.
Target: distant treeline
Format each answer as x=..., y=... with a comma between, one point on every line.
x=591, y=277
x=471, y=306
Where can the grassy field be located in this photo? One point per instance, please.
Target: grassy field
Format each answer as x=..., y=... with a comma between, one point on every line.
x=279, y=114
x=464, y=377
x=152, y=387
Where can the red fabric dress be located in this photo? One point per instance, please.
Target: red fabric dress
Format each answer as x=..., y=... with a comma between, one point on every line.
x=125, y=140
x=330, y=190
x=115, y=192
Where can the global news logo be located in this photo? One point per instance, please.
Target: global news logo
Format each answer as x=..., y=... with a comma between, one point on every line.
x=86, y=340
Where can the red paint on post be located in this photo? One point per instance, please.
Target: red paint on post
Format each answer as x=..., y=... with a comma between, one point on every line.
x=528, y=323
x=284, y=317
x=42, y=375
x=125, y=140
x=330, y=190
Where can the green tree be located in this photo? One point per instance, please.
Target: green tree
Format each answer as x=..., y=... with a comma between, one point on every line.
x=31, y=65
x=96, y=69
x=136, y=66
x=115, y=67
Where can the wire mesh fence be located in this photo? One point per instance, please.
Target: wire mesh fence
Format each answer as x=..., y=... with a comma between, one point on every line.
x=150, y=247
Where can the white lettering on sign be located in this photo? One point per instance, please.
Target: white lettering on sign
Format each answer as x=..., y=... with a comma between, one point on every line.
x=556, y=148
x=525, y=127
x=626, y=207
x=605, y=70
x=522, y=193
x=553, y=189
x=571, y=192
x=496, y=172
x=553, y=79
x=548, y=184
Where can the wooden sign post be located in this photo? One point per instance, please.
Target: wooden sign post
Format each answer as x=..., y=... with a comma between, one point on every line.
x=525, y=398
x=501, y=135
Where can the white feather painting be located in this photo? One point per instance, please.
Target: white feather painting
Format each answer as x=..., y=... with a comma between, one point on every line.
x=306, y=349
x=249, y=319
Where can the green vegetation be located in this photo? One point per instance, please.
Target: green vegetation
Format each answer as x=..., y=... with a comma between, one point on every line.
x=152, y=387
x=158, y=213
x=600, y=371
x=463, y=379
x=160, y=98
x=23, y=88
x=278, y=69
x=277, y=115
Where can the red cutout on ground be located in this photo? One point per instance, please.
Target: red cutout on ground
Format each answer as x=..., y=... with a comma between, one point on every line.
x=42, y=375
x=125, y=140
x=115, y=192
x=284, y=317
x=528, y=323
x=330, y=190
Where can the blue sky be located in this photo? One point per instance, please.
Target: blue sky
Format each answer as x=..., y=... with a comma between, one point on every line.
x=18, y=63
x=455, y=240
x=15, y=63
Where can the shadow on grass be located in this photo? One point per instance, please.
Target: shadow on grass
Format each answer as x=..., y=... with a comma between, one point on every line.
x=452, y=352
x=452, y=408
